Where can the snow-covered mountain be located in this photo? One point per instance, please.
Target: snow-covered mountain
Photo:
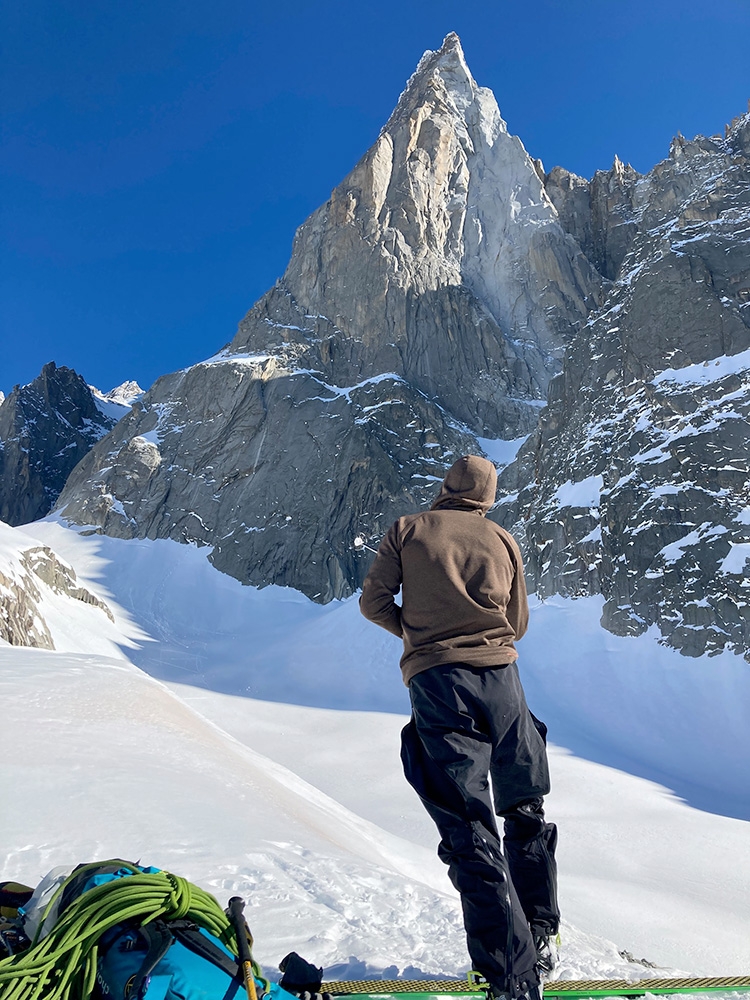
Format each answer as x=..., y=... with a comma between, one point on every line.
x=46, y=427
x=251, y=761
x=425, y=308
x=119, y=400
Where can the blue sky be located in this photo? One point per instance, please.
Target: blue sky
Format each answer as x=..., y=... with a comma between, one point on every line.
x=157, y=156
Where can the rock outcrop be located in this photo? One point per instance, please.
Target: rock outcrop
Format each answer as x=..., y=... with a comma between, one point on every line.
x=28, y=574
x=46, y=427
x=427, y=302
x=637, y=483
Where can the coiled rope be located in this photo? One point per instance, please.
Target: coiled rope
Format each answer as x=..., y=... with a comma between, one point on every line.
x=62, y=965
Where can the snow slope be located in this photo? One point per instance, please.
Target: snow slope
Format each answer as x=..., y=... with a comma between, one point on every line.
x=301, y=807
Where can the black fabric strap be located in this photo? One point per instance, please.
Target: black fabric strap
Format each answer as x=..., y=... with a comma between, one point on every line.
x=159, y=941
x=189, y=934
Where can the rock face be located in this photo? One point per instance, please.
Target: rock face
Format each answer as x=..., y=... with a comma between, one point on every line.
x=46, y=427
x=636, y=484
x=427, y=302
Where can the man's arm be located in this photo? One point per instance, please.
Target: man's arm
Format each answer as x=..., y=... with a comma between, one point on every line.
x=382, y=583
x=517, y=611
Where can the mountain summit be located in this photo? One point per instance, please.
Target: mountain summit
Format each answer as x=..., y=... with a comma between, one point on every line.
x=428, y=301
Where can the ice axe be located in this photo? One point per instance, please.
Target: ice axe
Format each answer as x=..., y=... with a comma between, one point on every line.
x=234, y=912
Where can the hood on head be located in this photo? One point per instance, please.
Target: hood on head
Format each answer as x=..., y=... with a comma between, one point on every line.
x=471, y=484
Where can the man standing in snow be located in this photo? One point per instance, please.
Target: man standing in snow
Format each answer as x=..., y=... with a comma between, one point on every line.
x=463, y=605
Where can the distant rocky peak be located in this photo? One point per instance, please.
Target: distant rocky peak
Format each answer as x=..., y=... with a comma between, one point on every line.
x=46, y=427
x=442, y=229
x=124, y=394
x=737, y=132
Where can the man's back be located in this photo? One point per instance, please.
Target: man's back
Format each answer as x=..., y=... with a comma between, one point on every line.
x=463, y=592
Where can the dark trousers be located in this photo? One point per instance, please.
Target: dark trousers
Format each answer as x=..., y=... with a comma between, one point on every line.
x=469, y=724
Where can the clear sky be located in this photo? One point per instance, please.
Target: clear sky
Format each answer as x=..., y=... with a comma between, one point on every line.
x=158, y=155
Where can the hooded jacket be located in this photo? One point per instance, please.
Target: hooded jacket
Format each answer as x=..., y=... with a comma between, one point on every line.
x=463, y=595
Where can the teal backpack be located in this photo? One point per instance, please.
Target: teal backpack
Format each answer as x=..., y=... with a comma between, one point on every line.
x=118, y=931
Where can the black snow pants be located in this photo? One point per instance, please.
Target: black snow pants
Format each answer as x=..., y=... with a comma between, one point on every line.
x=469, y=724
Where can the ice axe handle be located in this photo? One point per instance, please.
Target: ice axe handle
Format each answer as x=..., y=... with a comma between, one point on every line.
x=236, y=906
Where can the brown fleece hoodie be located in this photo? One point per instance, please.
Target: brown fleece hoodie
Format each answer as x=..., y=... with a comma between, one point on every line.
x=463, y=595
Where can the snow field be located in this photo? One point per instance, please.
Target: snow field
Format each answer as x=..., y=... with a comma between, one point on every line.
x=302, y=808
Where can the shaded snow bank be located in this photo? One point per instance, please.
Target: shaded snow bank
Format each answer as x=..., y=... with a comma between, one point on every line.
x=637, y=705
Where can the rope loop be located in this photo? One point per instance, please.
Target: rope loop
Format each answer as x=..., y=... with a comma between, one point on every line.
x=179, y=898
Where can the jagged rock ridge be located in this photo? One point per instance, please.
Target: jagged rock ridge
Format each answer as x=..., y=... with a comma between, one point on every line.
x=46, y=427
x=637, y=483
x=427, y=302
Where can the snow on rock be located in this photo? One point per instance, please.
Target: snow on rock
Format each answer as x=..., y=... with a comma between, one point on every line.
x=706, y=372
x=585, y=493
x=735, y=561
x=499, y=451
x=116, y=403
x=38, y=591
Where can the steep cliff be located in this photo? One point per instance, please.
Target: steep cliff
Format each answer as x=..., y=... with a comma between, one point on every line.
x=637, y=483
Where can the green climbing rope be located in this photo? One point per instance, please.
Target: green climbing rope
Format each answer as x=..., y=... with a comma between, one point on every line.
x=61, y=965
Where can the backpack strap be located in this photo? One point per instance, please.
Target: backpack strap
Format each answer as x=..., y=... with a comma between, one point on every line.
x=189, y=934
x=159, y=940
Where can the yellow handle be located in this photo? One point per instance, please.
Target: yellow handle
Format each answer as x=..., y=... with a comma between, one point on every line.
x=247, y=968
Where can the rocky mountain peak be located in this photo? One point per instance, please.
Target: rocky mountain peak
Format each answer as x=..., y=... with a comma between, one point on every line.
x=124, y=394
x=428, y=301
x=445, y=200
x=46, y=427
x=737, y=132
x=443, y=77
